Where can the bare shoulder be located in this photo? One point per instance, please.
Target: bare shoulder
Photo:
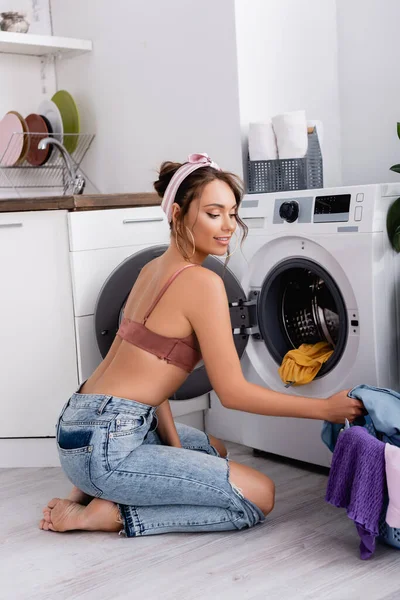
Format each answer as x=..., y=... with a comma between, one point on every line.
x=207, y=309
x=202, y=288
x=205, y=280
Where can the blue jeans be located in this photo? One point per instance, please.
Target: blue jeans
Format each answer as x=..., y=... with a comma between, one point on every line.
x=109, y=448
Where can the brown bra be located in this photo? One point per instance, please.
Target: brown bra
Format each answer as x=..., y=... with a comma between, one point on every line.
x=181, y=352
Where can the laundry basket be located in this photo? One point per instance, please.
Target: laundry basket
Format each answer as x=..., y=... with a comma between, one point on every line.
x=287, y=174
x=389, y=535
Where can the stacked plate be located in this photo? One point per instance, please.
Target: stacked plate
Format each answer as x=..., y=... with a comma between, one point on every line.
x=39, y=128
x=63, y=115
x=58, y=118
x=14, y=144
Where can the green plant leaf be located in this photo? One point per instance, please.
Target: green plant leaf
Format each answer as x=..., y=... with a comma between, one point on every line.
x=395, y=168
x=396, y=240
x=398, y=130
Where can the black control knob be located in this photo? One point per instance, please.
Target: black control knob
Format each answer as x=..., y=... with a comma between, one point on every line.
x=289, y=211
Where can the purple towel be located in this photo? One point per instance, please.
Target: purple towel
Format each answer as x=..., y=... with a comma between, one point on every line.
x=357, y=482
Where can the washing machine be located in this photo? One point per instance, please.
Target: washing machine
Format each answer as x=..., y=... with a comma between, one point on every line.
x=317, y=265
x=108, y=248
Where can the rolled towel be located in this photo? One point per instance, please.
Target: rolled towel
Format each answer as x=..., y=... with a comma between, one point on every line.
x=262, y=141
x=291, y=134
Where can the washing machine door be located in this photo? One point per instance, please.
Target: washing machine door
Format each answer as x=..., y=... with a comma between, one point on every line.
x=302, y=296
x=116, y=289
x=300, y=303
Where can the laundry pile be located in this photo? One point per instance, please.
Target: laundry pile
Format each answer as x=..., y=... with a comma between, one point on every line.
x=301, y=365
x=365, y=472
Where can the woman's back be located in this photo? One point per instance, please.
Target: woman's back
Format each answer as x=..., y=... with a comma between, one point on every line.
x=133, y=372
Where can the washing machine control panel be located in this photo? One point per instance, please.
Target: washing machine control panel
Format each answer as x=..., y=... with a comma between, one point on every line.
x=293, y=209
x=332, y=209
x=289, y=211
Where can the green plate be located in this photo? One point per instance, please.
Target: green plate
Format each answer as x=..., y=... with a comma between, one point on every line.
x=70, y=118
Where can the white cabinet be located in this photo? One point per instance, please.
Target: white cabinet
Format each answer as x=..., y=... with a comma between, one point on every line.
x=38, y=370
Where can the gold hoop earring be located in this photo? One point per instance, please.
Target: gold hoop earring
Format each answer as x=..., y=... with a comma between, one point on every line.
x=236, y=247
x=176, y=242
x=193, y=242
x=180, y=249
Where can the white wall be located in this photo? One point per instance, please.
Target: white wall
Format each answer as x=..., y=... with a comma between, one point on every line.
x=160, y=83
x=287, y=60
x=165, y=79
x=368, y=34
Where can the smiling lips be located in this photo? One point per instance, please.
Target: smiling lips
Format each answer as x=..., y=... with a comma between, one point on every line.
x=223, y=240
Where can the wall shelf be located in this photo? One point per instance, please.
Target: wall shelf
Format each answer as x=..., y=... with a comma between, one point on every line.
x=42, y=45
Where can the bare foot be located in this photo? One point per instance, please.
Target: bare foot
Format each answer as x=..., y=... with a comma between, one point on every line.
x=62, y=515
x=76, y=495
x=65, y=515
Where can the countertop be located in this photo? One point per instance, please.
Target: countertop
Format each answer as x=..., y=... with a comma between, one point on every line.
x=84, y=202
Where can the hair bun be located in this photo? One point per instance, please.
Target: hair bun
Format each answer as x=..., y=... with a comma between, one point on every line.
x=167, y=171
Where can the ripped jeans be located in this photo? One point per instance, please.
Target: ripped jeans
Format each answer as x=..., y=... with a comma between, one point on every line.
x=109, y=448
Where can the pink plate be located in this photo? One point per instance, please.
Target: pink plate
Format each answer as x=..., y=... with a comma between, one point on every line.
x=10, y=145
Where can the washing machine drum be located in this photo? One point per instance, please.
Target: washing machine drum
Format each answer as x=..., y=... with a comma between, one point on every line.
x=115, y=291
x=300, y=303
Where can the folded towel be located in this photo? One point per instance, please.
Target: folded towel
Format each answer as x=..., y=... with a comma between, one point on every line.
x=262, y=141
x=392, y=459
x=291, y=134
x=357, y=482
x=302, y=365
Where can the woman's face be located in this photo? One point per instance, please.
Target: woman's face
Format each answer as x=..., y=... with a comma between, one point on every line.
x=211, y=219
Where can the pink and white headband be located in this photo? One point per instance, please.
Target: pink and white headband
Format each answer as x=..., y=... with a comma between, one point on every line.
x=195, y=161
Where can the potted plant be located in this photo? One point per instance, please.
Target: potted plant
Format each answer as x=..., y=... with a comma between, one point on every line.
x=393, y=216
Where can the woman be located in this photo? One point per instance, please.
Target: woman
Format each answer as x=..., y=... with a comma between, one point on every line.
x=131, y=474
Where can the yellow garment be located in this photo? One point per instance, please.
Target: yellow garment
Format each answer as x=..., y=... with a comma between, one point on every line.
x=302, y=365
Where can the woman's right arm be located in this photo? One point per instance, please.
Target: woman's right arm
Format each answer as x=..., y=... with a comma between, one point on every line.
x=208, y=312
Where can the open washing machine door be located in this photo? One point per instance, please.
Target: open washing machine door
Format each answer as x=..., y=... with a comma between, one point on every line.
x=296, y=293
x=300, y=303
x=115, y=291
x=302, y=296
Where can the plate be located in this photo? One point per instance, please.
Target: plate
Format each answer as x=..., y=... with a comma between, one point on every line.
x=26, y=138
x=70, y=118
x=38, y=130
x=11, y=147
x=49, y=110
x=50, y=130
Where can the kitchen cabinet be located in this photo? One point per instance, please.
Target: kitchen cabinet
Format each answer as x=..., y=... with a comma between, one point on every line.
x=38, y=370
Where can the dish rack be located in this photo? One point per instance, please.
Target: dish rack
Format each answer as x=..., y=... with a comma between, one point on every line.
x=54, y=174
x=282, y=175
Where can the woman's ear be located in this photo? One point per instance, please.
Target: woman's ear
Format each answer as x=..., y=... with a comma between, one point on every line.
x=176, y=209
